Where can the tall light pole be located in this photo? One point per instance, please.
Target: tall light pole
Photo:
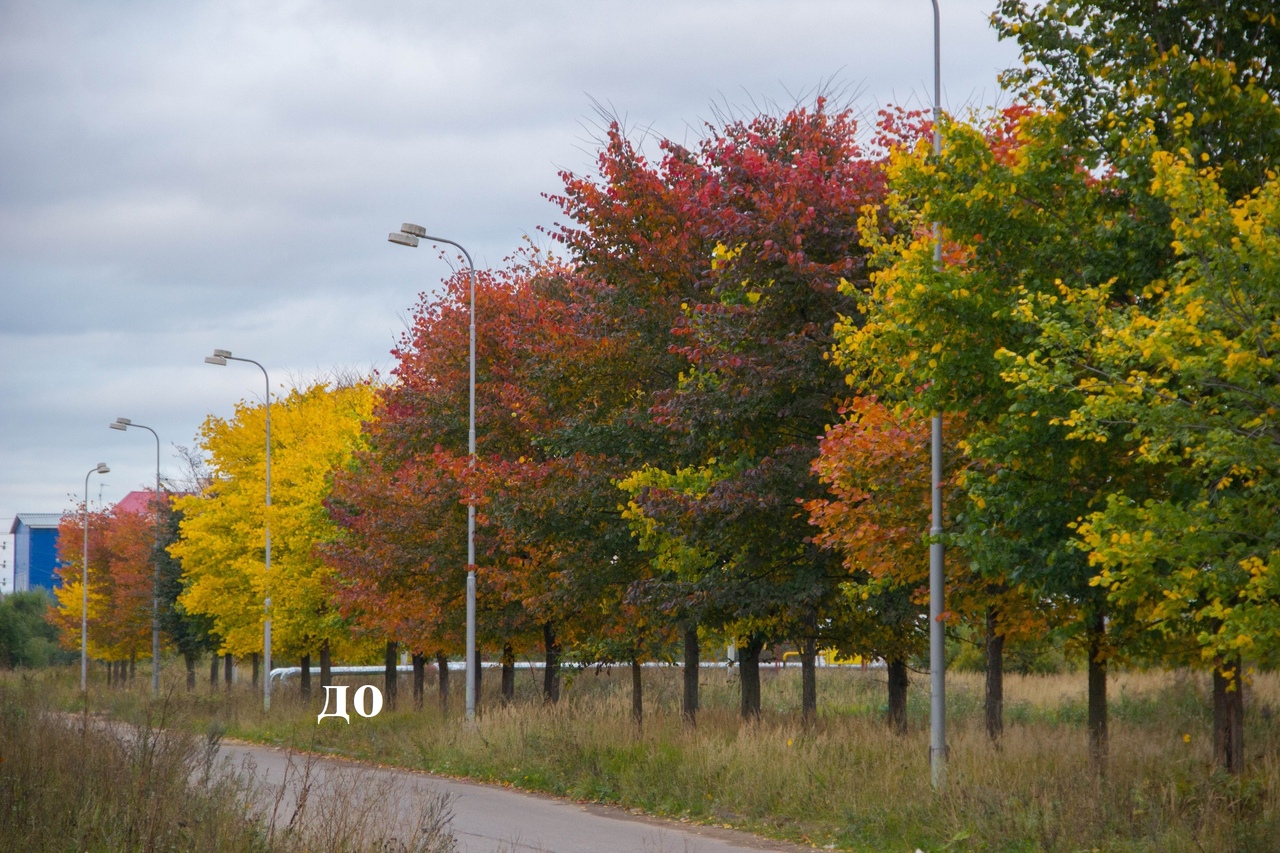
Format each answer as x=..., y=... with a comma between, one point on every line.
x=123, y=424
x=221, y=357
x=100, y=468
x=408, y=235
x=937, y=584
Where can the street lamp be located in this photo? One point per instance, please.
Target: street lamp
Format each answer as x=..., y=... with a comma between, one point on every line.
x=937, y=584
x=100, y=468
x=123, y=424
x=221, y=357
x=409, y=235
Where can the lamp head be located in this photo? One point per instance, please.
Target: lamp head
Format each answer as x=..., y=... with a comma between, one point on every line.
x=403, y=239
x=102, y=468
x=119, y=426
x=415, y=230
x=222, y=353
x=124, y=421
x=215, y=359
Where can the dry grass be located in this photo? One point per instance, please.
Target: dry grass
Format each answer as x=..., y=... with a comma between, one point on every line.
x=80, y=782
x=846, y=781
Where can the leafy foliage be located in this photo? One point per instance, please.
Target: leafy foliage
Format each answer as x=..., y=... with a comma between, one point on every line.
x=313, y=431
x=121, y=582
x=27, y=636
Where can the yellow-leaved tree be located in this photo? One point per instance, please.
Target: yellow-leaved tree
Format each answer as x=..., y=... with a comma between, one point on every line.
x=222, y=543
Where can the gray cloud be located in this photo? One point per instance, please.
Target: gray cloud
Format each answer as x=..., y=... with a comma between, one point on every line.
x=180, y=176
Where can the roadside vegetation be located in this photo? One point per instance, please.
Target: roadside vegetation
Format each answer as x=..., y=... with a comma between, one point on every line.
x=706, y=422
x=844, y=781
x=26, y=636
x=82, y=783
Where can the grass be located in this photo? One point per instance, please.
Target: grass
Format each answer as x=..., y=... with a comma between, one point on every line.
x=79, y=782
x=846, y=782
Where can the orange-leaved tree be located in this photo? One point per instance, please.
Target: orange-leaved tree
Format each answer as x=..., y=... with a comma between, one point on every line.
x=120, y=582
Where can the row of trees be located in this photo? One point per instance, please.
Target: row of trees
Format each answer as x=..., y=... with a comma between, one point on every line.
x=710, y=416
x=124, y=545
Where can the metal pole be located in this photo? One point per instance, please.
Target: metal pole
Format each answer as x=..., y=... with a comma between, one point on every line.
x=409, y=235
x=100, y=468
x=84, y=593
x=266, y=524
x=124, y=424
x=155, y=583
x=937, y=583
x=472, y=661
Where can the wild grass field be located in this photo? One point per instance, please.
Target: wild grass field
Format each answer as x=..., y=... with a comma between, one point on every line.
x=81, y=783
x=844, y=783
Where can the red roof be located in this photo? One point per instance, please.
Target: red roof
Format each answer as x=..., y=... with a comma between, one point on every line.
x=138, y=502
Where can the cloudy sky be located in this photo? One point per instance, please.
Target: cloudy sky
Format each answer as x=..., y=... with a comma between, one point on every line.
x=176, y=177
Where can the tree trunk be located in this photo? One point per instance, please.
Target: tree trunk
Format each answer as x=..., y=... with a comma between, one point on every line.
x=692, y=664
x=637, y=694
x=189, y=658
x=111, y=673
x=304, y=681
x=389, y=674
x=257, y=664
x=749, y=665
x=551, y=672
x=442, y=668
x=478, y=678
x=326, y=666
x=508, y=674
x=226, y=670
x=809, y=680
x=898, y=682
x=995, y=678
x=213, y=671
x=1228, y=716
x=1097, y=628
x=419, y=679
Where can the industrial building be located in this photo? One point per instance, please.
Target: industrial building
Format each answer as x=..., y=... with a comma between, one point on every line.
x=35, y=550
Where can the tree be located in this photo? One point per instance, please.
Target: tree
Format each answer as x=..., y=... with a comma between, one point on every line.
x=1023, y=221
x=313, y=430
x=402, y=504
x=770, y=209
x=1144, y=94
x=876, y=465
x=1116, y=71
x=121, y=582
x=189, y=633
x=1189, y=372
x=639, y=254
x=27, y=636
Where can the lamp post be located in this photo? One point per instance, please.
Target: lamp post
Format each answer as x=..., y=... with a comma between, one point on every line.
x=123, y=424
x=221, y=357
x=409, y=235
x=937, y=584
x=100, y=468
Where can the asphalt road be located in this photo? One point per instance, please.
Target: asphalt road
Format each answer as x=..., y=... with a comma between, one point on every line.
x=482, y=818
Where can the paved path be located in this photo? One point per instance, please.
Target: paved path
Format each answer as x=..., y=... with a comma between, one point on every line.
x=487, y=818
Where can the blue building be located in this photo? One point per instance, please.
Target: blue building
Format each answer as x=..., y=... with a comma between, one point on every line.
x=35, y=550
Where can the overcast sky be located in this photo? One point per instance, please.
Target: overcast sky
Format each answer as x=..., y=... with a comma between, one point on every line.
x=176, y=177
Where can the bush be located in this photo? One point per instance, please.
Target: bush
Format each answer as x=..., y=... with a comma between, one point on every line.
x=27, y=638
